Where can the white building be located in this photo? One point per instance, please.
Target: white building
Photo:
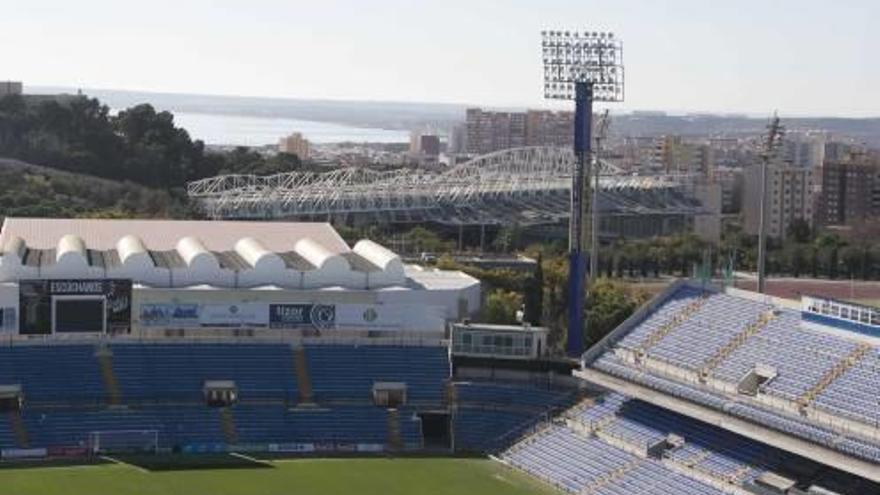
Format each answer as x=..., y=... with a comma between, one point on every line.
x=211, y=278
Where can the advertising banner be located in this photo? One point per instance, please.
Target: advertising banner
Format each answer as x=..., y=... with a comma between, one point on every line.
x=170, y=315
x=234, y=315
x=36, y=298
x=317, y=316
x=370, y=447
x=67, y=451
x=372, y=316
x=205, y=448
x=292, y=447
x=22, y=453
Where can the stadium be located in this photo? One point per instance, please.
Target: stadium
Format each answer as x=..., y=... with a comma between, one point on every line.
x=134, y=347
x=529, y=187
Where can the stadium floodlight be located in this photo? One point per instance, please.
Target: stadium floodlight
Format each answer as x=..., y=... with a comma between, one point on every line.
x=583, y=66
x=572, y=57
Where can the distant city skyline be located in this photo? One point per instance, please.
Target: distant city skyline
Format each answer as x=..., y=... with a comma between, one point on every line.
x=801, y=58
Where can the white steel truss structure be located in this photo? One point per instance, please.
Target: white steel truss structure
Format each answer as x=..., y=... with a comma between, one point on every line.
x=531, y=183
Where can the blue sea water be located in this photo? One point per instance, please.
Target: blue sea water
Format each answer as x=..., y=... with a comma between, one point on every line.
x=239, y=130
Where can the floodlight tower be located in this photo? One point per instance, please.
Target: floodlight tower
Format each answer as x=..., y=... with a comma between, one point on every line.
x=775, y=134
x=583, y=66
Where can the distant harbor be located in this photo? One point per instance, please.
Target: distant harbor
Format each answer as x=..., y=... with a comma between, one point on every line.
x=218, y=129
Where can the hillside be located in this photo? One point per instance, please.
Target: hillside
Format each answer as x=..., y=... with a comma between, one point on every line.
x=36, y=191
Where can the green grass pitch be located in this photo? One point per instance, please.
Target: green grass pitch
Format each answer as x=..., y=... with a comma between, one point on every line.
x=373, y=476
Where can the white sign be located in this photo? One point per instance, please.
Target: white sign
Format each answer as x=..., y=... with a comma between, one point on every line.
x=22, y=453
x=291, y=447
x=235, y=315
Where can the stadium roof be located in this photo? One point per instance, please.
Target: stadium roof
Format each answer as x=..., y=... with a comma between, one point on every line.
x=752, y=366
x=163, y=235
x=527, y=186
x=168, y=253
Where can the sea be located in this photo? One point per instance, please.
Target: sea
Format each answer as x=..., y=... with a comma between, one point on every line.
x=238, y=130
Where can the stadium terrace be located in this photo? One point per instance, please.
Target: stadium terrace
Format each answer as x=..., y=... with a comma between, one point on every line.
x=804, y=377
x=159, y=338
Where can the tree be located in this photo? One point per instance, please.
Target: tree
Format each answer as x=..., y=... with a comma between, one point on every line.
x=159, y=153
x=799, y=231
x=609, y=304
x=534, y=295
x=827, y=248
x=501, y=307
x=852, y=259
x=796, y=259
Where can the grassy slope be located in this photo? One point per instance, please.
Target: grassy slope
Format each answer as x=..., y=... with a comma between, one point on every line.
x=311, y=476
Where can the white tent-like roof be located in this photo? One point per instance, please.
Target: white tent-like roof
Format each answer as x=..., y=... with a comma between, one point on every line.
x=171, y=253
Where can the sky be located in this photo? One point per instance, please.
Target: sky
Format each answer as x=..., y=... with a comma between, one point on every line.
x=798, y=57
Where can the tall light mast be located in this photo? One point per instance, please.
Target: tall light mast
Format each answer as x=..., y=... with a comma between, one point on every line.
x=583, y=66
x=775, y=132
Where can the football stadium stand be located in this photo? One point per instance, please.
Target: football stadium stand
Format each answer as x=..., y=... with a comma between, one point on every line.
x=488, y=415
x=523, y=186
x=201, y=337
x=161, y=390
x=615, y=444
x=755, y=363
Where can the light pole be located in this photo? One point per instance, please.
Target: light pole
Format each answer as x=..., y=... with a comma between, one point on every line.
x=585, y=66
x=775, y=132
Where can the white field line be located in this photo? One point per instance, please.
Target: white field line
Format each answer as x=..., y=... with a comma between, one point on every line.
x=251, y=459
x=121, y=463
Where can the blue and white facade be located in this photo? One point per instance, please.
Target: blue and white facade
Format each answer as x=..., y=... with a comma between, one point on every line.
x=196, y=278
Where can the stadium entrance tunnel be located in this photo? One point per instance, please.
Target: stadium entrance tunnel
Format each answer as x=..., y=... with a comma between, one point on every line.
x=11, y=399
x=436, y=430
x=220, y=393
x=389, y=394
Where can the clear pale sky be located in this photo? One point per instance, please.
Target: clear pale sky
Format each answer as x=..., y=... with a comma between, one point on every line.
x=801, y=57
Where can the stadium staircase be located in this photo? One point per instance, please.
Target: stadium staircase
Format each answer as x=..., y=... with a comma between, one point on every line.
x=450, y=394
x=834, y=373
x=111, y=384
x=603, y=481
x=667, y=328
x=697, y=458
x=227, y=423
x=18, y=429
x=303, y=378
x=394, y=440
x=735, y=343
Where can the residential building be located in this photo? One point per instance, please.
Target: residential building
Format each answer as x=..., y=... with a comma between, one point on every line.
x=789, y=197
x=803, y=150
x=425, y=148
x=295, y=144
x=488, y=131
x=681, y=157
x=546, y=128
x=457, y=139
x=731, y=181
x=850, y=191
